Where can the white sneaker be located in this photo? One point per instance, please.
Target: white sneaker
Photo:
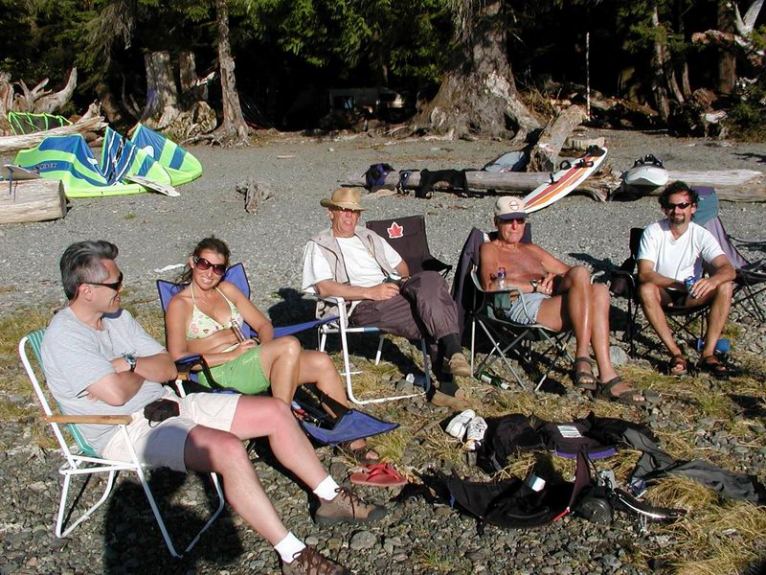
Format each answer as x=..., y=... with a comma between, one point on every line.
x=475, y=431
x=457, y=425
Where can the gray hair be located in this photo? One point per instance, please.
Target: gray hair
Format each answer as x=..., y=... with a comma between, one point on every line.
x=82, y=262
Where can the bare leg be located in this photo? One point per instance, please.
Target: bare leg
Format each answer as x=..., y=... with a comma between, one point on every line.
x=651, y=302
x=280, y=363
x=719, y=312
x=571, y=307
x=599, y=295
x=210, y=449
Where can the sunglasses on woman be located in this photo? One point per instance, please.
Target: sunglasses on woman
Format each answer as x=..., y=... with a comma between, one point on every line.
x=204, y=265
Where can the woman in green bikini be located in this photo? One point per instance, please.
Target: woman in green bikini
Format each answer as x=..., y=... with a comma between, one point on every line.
x=204, y=318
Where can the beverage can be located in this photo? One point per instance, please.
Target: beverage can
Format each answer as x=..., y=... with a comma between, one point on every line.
x=689, y=283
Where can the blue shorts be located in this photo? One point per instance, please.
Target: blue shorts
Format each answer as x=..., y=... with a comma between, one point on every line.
x=525, y=308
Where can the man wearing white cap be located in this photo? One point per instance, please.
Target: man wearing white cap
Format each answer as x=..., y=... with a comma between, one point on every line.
x=352, y=262
x=555, y=295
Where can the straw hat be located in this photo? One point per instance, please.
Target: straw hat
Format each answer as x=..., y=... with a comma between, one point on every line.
x=345, y=199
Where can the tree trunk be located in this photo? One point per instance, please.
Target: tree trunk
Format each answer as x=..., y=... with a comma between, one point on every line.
x=161, y=92
x=234, y=128
x=32, y=201
x=664, y=82
x=478, y=95
x=727, y=61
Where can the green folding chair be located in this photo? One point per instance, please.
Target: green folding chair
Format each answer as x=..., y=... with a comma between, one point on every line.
x=85, y=461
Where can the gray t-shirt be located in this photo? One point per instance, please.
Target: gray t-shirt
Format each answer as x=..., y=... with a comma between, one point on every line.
x=76, y=356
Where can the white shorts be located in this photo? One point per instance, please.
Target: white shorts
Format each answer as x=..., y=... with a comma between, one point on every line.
x=163, y=444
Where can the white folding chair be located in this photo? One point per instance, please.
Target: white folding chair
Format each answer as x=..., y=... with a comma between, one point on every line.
x=341, y=327
x=85, y=461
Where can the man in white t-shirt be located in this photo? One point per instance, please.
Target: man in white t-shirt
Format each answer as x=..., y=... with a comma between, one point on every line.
x=671, y=251
x=352, y=262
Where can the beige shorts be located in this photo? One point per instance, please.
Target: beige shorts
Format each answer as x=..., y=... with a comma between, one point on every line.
x=162, y=444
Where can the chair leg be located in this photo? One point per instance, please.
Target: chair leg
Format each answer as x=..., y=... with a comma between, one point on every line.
x=379, y=350
x=60, y=531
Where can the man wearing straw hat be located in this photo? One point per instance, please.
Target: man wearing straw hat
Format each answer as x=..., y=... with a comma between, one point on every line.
x=349, y=261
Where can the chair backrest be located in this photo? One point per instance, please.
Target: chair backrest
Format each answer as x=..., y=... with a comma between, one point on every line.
x=34, y=341
x=463, y=289
x=407, y=236
x=235, y=275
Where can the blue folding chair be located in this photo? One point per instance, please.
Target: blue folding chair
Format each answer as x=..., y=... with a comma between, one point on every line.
x=350, y=423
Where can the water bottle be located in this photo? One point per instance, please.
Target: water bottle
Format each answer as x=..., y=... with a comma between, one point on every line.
x=500, y=277
x=492, y=379
x=722, y=346
x=416, y=379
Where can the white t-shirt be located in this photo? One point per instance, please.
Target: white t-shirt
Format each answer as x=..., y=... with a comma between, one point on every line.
x=678, y=258
x=362, y=269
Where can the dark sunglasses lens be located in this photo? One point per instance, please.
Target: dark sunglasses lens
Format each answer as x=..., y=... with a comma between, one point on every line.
x=204, y=265
x=681, y=206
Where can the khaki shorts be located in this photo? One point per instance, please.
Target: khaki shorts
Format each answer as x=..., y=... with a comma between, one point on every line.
x=162, y=444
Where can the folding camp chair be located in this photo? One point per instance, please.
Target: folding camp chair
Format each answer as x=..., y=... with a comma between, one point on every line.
x=86, y=462
x=625, y=284
x=750, y=281
x=349, y=425
x=407, y=235
x=507, y=337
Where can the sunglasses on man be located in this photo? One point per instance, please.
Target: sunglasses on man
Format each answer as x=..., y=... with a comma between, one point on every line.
x=670, y=206
x=204, y=265
x=116, y=286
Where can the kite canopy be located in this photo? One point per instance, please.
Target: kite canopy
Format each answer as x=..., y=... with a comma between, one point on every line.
x=182, y=166
x=27, y=122
x=146, y=161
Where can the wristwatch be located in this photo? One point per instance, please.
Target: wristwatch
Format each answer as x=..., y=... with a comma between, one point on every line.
x=534, y=285
x=131, y=360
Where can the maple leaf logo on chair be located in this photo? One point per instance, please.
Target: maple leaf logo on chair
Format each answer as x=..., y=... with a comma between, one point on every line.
x=395, y=231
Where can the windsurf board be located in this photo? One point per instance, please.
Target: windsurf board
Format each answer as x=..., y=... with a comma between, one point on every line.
x=153, y=185
x=570, y=175
x=647, y=172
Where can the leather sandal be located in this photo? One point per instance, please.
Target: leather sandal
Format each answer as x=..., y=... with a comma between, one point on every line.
x=627, y=397
x=714, y=366
x=584, y=379
x=678, y=365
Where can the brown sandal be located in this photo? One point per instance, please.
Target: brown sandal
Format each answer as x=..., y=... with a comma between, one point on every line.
x=678, y=365
x=582, y=379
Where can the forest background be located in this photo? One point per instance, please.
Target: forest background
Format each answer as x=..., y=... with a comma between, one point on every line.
x=272, y=63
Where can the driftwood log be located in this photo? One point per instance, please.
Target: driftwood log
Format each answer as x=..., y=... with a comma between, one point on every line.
x=731, y=185
x=544, y=154
x=92, y=121
x=31, y=201
x=597, y=186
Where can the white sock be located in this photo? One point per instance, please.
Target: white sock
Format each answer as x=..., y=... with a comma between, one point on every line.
x=327, y=489
x=289, y=547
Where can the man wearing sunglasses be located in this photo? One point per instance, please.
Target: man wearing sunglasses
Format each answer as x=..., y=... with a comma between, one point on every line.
x=100, y=361
x=673, y=256
x=352, y=262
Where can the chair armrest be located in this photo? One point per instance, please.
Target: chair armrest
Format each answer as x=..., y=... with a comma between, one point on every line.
x=90, y=419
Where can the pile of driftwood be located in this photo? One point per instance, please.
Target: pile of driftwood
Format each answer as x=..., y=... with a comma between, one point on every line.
x=543, y=159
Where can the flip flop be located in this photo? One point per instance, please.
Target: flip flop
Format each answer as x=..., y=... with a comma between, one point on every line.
x=379, y=475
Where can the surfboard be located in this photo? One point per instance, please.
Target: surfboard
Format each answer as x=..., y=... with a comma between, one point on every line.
x=17, y=173
x=570, y=175
x=647, y=172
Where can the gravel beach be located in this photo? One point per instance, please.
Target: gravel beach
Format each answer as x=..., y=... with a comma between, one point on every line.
x=155, y=232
